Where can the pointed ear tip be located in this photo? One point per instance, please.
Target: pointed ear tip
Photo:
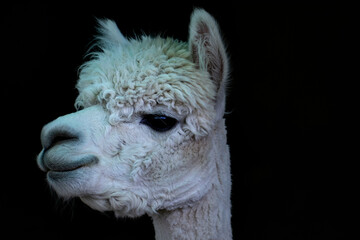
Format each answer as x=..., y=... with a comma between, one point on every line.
x=108, y=31
x=105, y=23
x=201, y=14
x=102, y=21
x=198, y=11
x=201, y=18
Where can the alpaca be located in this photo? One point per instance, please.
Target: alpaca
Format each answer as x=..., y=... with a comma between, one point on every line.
x=149, y=136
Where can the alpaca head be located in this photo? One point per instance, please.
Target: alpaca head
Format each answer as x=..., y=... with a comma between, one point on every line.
x=147, y=112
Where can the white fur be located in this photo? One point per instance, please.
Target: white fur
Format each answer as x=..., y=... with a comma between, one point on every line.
x=181, y=178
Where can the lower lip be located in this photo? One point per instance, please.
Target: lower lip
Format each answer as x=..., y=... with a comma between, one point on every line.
x=72, y=166
x=61, y=175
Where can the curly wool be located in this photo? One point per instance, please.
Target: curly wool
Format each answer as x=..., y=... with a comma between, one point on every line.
x=123, y=203
x=136, y=75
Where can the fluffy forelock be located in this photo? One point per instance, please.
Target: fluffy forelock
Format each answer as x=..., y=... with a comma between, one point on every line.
x=139, y=74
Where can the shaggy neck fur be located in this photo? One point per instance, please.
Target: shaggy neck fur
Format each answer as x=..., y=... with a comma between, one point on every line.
x=210, y=217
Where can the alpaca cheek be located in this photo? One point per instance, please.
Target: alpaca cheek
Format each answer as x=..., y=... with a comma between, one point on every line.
x=183, y=175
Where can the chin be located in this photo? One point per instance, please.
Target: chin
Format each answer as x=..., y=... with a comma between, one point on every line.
x=123, y=203
x=69, y=184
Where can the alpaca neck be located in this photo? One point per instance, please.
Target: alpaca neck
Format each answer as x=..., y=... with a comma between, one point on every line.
x=210, y=217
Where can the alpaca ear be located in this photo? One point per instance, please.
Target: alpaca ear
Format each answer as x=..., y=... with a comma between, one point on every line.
x=109, y=33
x=208, y=53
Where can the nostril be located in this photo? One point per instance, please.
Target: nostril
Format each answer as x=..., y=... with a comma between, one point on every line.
x=60, y=136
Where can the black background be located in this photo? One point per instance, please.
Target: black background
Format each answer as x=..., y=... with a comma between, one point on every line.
x=287, y=121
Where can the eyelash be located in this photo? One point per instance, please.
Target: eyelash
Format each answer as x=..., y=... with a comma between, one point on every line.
x=159, y=122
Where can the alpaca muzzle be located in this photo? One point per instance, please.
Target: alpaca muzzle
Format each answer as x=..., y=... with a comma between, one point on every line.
x=61, y=143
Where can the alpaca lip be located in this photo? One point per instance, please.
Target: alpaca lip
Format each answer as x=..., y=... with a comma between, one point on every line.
x=55, y=166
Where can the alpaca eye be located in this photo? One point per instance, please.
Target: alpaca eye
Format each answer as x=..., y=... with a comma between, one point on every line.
x=159, y=123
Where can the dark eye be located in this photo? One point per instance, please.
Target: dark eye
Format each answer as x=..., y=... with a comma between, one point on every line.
x=159, y=123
